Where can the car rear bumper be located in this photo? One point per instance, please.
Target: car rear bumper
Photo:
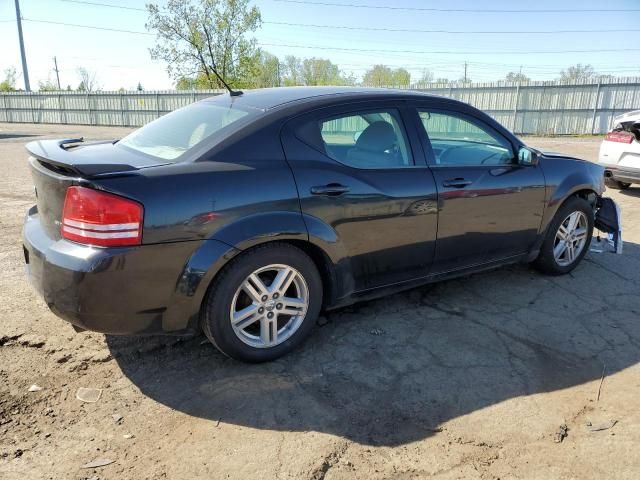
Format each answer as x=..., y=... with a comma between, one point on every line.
x=622, y=174
x=148, y=289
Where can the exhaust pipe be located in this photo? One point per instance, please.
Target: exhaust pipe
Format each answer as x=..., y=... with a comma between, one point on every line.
x=608, y=174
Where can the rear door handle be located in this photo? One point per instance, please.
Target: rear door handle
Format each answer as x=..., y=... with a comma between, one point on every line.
x=456, y=183
x=332, y=189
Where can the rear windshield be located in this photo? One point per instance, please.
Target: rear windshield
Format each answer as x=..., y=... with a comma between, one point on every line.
x=173, y=134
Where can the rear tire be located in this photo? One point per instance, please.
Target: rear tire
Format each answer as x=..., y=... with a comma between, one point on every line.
x=616, y=184
x=567, y=239
x=263, y=304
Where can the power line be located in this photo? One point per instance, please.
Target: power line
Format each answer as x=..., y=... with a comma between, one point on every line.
x=381, y=29
x=347, y=49
x=450, y=52
x=411, y=30
x=472, y=10
x=92, y=27
x=97, y=4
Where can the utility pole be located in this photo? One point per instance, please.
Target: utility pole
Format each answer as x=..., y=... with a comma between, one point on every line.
x=465, y=72
x=55, y=62
x=25, y=71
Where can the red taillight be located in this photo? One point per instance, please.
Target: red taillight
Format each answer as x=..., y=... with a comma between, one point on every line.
x=620, y=137
x=98, y=218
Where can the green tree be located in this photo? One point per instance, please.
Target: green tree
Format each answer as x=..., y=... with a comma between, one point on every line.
x=292, y=71
x=9, y=82
x=197, y=82
x=261, y=70
x=383, y=76
x=205, y=38
x=267, y=71
x=321, y=71
x=48, y=86
x=517, y=77
x=578, y=72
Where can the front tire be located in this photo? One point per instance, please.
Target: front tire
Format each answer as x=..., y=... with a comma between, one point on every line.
x=263, y=304
x=567, y=239
x=616, y=184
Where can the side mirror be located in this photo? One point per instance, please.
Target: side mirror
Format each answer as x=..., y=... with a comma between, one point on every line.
x=527, y=157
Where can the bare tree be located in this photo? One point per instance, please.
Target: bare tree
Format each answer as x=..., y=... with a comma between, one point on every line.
x=88, y=81
x=427, y=77
x=578, y=72
x=516, y=77
x=205, y=37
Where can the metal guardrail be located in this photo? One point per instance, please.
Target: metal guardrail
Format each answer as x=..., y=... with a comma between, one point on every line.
x=539, y=108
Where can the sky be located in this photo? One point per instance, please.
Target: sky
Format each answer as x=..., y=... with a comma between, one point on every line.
x=607, y=39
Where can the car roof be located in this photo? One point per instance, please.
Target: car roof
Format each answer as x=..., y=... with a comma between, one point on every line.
x=268, y=98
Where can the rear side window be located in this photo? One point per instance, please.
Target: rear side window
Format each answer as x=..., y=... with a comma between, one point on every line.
x=462, y=141
x=366, y=139
x=175, y=133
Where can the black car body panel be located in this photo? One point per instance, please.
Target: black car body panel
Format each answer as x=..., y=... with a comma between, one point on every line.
x=139, y=290
x=391, y=229
x=88, y=159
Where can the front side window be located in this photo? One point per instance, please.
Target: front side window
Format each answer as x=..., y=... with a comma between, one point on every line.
x=173, y=134
x=369, y=139
x=457, y=140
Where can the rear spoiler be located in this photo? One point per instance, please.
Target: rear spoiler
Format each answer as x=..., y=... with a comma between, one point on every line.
x=72, y=157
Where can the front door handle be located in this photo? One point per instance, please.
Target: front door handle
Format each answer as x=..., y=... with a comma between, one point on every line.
x=332, y=189
x=456, y=183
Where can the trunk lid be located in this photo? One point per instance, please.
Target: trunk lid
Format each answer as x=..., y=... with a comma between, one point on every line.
x=58, y=164
x=89, y=159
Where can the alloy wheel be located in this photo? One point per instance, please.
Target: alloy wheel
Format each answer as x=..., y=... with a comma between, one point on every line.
x=571, y=238
x=269, y=306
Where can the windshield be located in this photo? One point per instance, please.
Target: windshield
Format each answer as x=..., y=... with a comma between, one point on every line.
x=173, y=134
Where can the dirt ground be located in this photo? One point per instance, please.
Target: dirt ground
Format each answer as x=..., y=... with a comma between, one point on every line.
x=470, y=378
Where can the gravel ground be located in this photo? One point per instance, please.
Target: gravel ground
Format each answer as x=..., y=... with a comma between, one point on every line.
x=479, y=377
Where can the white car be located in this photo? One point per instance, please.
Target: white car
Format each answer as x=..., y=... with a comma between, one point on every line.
x=620, y=152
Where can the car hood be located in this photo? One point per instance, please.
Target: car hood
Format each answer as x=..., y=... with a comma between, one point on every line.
x=561, y=155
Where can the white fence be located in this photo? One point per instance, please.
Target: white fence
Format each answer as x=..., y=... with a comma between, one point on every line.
x=541, y=108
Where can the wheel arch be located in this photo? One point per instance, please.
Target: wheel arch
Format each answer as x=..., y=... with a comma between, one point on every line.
x=578, y=184
x=585, y=192
x=315, y=238
x=322, y=261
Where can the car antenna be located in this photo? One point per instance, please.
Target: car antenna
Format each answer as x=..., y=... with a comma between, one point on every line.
x=233, y=93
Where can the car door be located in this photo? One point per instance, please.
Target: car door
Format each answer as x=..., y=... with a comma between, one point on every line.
x=490, y=206
x=356, y=173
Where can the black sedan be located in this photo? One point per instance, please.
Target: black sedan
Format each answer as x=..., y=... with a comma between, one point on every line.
x=244, y=216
